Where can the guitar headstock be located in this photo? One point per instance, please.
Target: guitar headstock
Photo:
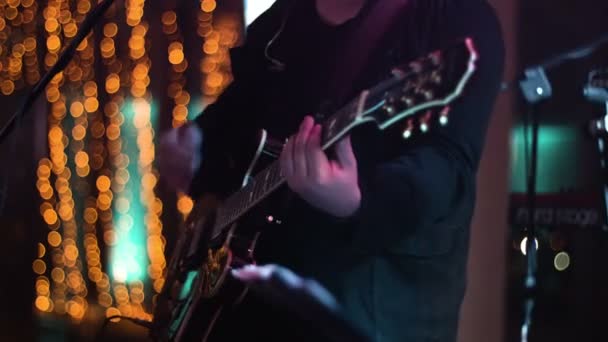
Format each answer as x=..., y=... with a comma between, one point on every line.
x=421, y=90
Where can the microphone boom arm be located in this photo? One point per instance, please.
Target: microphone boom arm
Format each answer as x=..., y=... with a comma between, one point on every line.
x=67, y=55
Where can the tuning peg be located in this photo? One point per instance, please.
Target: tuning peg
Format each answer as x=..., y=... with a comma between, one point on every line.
x=444, y=116
x=407, y=132
x=406, y=100
x=416, y=67
x=424, y=127
x=424, y=121
x=436, y=77
x=428, y=94
x=390, y=110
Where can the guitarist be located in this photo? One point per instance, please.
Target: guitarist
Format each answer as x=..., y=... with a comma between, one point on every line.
x=381, y=222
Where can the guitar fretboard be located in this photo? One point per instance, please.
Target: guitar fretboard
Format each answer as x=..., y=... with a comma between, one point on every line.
x=270, y=178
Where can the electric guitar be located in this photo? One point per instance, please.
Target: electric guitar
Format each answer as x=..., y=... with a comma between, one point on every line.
x=198, y=286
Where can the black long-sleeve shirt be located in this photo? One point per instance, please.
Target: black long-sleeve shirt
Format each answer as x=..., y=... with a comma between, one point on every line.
x=398, y=267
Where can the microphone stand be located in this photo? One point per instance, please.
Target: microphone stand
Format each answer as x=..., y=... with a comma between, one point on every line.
x=575, y=54
x=535, y=88
x=598, y=128
x=601, y=137
x=62, y=62
x=65, y=58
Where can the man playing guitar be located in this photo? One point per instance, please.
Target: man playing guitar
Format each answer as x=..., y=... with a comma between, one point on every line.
x=381, y=222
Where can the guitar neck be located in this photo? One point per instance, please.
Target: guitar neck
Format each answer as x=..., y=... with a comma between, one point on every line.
x=270, y=178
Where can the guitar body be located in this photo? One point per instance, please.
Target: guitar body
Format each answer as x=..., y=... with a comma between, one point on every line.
x=200, y=288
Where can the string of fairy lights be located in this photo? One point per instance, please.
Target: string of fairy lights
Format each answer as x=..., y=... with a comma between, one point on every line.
x=104, y=248
x=69, y=290
x=107, y=182
x=128, y=113
x=220, y=33
x=18, y=56
x=87, y=146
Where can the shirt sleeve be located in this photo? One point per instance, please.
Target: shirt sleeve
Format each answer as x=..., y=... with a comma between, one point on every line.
x=225, y=122
x=221, y=123
x=411, y=203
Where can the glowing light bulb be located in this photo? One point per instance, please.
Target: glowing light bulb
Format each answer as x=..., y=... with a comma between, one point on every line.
x=561, y=261
x=523, y=246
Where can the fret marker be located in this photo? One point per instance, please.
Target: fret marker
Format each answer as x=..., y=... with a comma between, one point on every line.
x=443, y=118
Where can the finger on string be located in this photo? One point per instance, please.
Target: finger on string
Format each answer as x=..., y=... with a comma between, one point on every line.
x=300, y=166
x=316, y=157
x=344, y=153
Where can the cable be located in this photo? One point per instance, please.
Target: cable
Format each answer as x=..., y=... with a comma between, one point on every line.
x=526, y=128
x=140, y=322
x=62, y=63
x=577, y=53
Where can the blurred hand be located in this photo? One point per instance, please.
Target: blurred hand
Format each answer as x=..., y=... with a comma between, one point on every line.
x=329, y=185
x=284, y=287
x=180, y=156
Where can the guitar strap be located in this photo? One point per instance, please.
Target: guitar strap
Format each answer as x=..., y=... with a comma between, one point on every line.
x=356, y=51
